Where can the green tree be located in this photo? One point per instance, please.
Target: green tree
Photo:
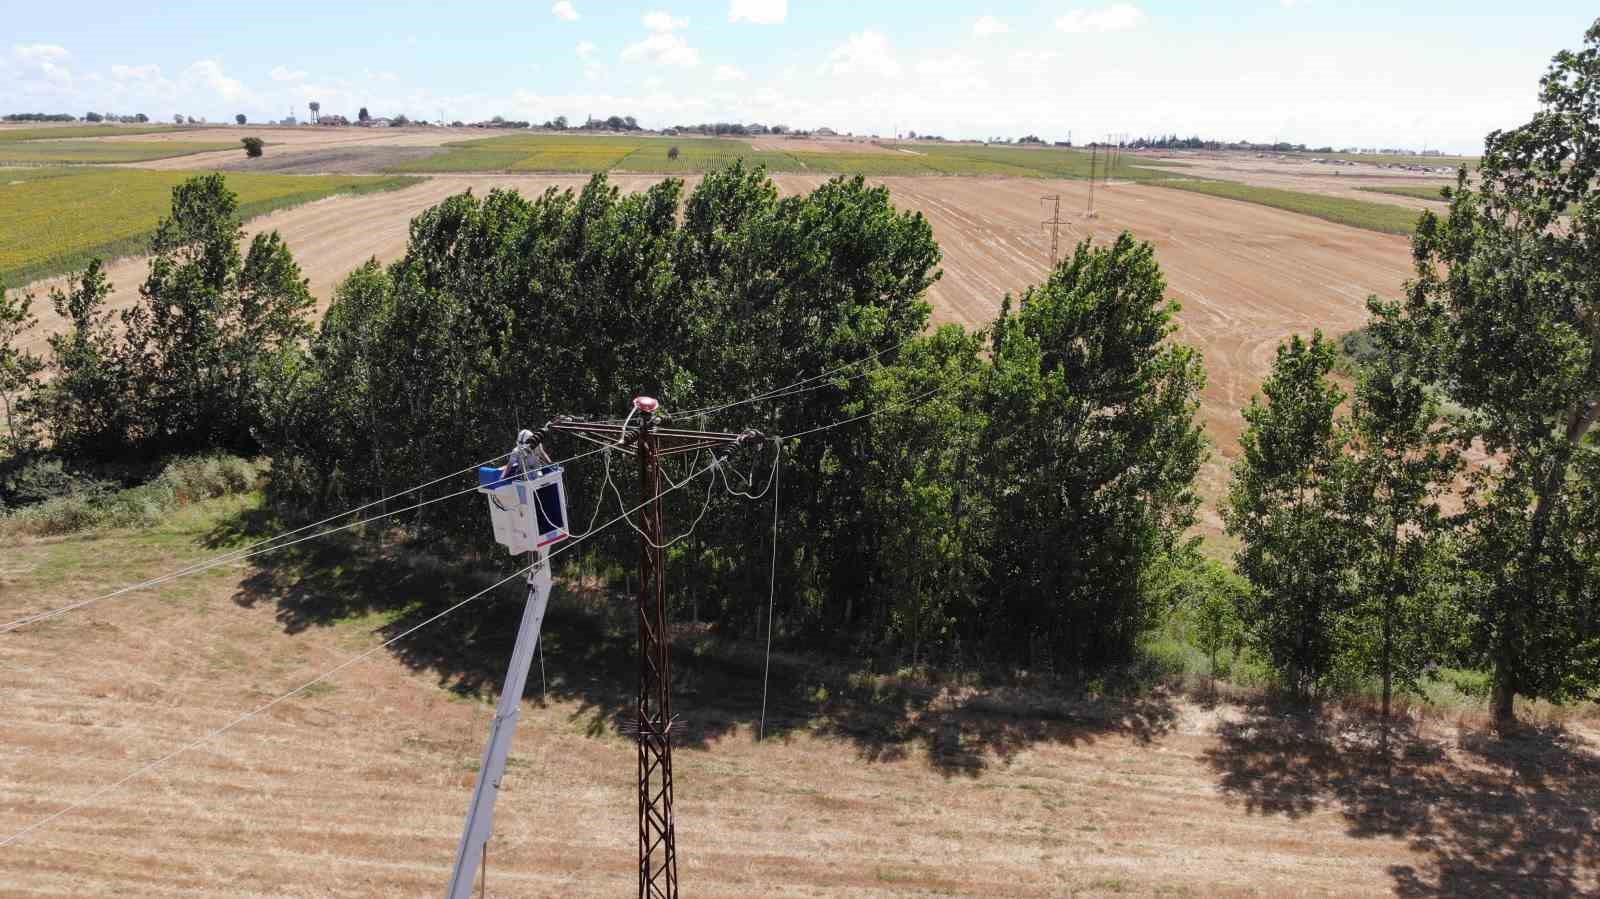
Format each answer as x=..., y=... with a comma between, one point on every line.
x=363, y=116
x=1398, y=467
x=1505, y=315
x=209, y=319
x=922, y=490
x=252, y=146
x=1091, y=452
x=239, y=119
x=19, y=371
x=1282, y=506
x=87, y=407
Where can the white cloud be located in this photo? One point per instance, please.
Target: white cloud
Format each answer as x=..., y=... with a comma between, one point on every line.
x=40, y=52
x=207, y=73
x=282, y=73
x=148, y=72
x=1116, y=17
x=656, y=20
x=585, y=49
x=565, y=11
x=989, y=25
x=665, y=48
x=867, y=53
x=44, y=60
x=759, y=12
x=727, y=73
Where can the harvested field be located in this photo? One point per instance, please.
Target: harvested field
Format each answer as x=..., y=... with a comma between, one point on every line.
x=283, y=142
x=1247, y=275
x=1348, y=182
x=339, y=160
x=818, y=145
x=358, y=786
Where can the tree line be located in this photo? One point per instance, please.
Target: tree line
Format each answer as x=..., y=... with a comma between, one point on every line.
x=1016, y=497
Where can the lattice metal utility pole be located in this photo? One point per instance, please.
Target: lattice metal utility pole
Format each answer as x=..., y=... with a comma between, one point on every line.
x=658, y=853
x=658, y=847
x=1094, y=152
x=1055, y=221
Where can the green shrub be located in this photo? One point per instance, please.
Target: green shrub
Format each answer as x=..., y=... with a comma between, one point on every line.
x=88, y=504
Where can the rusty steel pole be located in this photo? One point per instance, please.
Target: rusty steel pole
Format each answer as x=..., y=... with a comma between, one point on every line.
x=658, y=854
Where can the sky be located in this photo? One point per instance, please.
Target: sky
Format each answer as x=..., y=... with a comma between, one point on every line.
x=1423, y=74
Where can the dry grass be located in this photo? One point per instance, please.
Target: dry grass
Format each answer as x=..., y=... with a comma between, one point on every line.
x=868, y=785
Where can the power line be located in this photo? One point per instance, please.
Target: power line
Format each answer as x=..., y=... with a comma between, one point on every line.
x=889, y=408
x=211, y=735
x=240, y=555
x=788, y=390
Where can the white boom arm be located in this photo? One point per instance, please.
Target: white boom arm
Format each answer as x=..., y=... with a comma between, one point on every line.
x=480, y=815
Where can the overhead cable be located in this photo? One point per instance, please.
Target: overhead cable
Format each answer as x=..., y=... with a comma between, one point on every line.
x=213, y=734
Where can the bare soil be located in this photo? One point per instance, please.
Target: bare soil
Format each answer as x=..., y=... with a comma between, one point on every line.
x=358, y=788
x=342, y=160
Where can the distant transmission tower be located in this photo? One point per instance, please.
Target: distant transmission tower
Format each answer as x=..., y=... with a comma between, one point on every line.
x=1055, y=221
x=1094, y=152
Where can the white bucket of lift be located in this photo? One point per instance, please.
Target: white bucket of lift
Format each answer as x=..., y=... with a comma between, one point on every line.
x=527, y=508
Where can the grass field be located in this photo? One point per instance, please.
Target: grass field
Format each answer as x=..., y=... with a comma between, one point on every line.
x=1385, y=217
x=1418, y=191
x=55, y=220
x=80, y=152
x=568, y=154
x=8, y=135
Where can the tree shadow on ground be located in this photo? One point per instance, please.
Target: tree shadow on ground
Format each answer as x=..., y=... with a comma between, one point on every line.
x=1494, y=816
x=589, y=648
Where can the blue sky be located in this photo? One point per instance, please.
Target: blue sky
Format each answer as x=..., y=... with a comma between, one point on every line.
x=1317, y=71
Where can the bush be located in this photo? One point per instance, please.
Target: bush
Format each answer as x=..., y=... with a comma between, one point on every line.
x=252, y=146
x=672, y=153
x=89, y=503
x=43, y=478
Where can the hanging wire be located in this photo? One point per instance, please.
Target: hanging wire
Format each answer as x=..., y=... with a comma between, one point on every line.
x=248, y=552
x=788, y=390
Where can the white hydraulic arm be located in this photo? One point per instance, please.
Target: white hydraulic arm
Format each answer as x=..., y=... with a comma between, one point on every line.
x=480, y=815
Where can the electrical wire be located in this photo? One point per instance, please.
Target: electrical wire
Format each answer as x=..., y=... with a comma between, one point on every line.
x=213, y=734
x=787, y=390
x=889, y=408
x=710, y=485
x=247, y=552
x=750, y=481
